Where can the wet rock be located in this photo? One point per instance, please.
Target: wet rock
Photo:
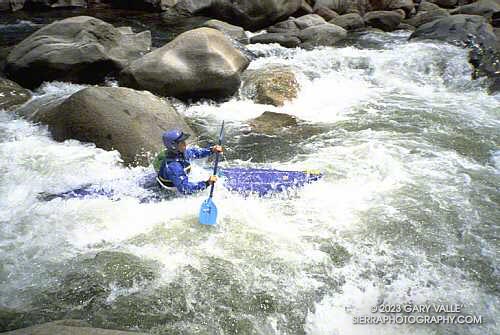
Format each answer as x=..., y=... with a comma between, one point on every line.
x=310, y=20
x=251, y=15
x=155, y=5
x=338, y=254
x=404, y=26
x=326, y=13
x=427, y=12
x=12, y=95
x=338, y=6
x=326, y=34
x=271, y=122
x=273, y=85
x=444, y=3
x=113, y=118
x=283, y=39
x=201, y=63
x=66, y=327
x=79, y=49
x=55, y=3
x=350, y=21
x=304, y=9
x=287, y=26
x=389, y=5
x=234, y=32
x=485, y=8
x=385, y=20
x=471, y=31
x=11, y=5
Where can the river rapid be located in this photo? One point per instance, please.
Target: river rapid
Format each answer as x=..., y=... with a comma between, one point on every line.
x=407, y=211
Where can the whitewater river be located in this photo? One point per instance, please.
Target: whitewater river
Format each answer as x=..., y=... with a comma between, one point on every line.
x=407, y=211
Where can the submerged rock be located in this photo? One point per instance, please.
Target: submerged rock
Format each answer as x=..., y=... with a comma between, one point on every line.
x=200, y=63
x=113, y=118
x=272, y=85
x=79, y=49
x=12, y=95
x=63, y=327
x=271, y=122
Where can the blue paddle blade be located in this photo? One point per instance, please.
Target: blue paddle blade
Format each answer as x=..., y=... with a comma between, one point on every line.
x=208, y=212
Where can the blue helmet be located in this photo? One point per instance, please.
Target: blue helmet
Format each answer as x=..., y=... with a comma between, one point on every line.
x=173, y=137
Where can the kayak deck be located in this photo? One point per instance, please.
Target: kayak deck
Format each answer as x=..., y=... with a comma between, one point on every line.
x=245, y=181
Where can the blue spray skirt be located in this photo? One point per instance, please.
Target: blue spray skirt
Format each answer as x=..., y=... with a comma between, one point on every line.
x=245, y=181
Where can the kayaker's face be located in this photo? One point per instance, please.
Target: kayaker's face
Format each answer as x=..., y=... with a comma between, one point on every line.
x=182, y=146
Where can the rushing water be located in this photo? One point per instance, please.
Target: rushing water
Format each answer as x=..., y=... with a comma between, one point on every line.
x=407, y=211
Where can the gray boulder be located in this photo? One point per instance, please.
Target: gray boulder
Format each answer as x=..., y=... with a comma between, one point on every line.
x=123, y=119
x=234, y=32
x=200, y=63
x=385, y=20
x=427, y=12
x=326, y=34
x=251, y=15
x=350, y=21
x=284, y=39
x=445, y=3
x=12, y=95
x=273, y=85
x=326, y=13
x=79, y=49
x=310, y=20
x=287, y=26
x=485, y=8
x=338, y=6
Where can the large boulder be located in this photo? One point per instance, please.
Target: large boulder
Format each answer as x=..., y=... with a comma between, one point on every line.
x=252, y=15
x=351, y=21
x=427, y=12
x=79, y=49
x=143, y=4
x=273, y=85
x=200, y=63
x=388, y=5
x=484, y=8
x=385, y=20
x=471, y=31
x=12, y=95
x=326, y=34
x=129, y=121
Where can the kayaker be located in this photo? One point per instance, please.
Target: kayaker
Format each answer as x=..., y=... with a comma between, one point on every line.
x=173, y=164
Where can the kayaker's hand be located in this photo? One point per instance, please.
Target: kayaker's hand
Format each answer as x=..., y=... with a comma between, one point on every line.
x=217, y=148
x=211, y=180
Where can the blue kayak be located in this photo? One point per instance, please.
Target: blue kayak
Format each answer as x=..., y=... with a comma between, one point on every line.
x=245, y=181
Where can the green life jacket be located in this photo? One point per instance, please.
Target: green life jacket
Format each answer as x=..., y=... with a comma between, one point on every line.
x=160, y=157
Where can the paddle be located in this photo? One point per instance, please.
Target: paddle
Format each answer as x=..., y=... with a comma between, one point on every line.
x=208, y=210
